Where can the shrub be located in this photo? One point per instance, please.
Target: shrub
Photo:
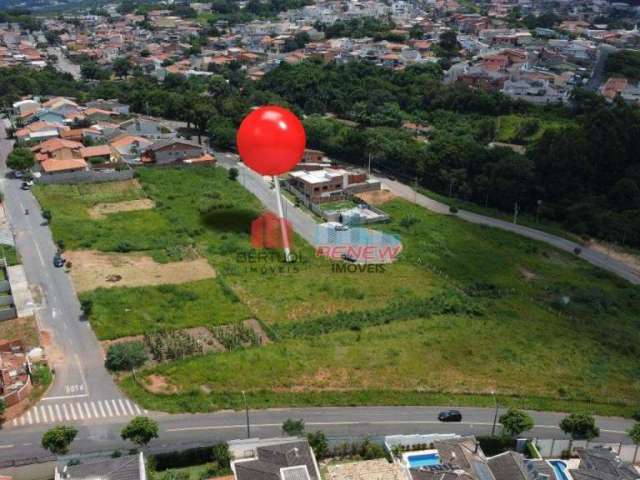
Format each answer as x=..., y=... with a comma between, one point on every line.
x=453, y=209
x=580, y=426
x=233, y=173
x=125, y=356
x=293, y=428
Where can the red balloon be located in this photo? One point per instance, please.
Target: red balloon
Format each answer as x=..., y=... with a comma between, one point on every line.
x=271, y=140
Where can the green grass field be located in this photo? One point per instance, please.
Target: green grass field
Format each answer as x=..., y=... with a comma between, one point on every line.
x=524, y=129
x=541, y=327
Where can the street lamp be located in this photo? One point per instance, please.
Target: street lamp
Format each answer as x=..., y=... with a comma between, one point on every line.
x=495, y=416
x=246, y=409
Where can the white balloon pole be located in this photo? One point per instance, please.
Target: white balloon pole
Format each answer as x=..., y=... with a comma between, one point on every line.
x=283, y=222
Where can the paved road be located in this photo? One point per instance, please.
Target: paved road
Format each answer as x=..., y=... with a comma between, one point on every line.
x=190, y=430
x=594, y=257
x=597, y=75
x=74, y=351
x=64, y=64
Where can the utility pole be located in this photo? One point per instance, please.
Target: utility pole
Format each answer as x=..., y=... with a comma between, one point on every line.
x=369, y=167
x=515, y=213
x=246, y=409
x=495, y=416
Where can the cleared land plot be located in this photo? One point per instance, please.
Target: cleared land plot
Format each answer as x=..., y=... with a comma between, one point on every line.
x=377, y=197
x=101, y=210
x=25, y=329
x=91, y=270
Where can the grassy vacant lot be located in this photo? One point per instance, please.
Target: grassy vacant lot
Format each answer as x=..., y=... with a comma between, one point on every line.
x=121, y=312
x=524, y=129
x=467, y=309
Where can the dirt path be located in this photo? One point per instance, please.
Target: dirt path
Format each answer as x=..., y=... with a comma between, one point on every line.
x=101, y=210
x=91, y=270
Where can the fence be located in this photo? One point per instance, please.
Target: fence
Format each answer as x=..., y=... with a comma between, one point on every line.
x=556, y=448
x=20, y=394
x=87, y=176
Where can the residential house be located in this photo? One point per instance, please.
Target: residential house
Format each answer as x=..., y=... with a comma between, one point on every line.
x=147, y=127
x=602, y=464
x=120, y=468
x=175, y=150
x=292, y=460
x=96, y=154
x=328, y=184
x=129, y=148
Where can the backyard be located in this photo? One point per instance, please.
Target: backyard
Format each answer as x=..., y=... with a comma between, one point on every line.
x=464, y=311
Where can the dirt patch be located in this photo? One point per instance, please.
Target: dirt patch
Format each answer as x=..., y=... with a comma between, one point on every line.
x=527, y=274
x=93, y=269
x=101, y=210
x=376, y=197
x=629, y=259
x=158, y=384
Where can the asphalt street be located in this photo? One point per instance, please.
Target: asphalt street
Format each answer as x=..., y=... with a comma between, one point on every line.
x=74, y=351
x=200, y=429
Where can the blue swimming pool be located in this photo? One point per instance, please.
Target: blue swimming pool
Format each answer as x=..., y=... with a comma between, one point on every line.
x=423, y=460
x=560, y=468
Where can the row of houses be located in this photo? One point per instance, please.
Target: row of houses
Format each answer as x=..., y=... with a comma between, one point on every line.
x=66, y=137
x=448, y=457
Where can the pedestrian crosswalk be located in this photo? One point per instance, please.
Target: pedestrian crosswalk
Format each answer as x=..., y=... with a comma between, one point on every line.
x=46, y=412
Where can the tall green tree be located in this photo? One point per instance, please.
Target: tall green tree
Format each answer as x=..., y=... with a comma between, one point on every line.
x=21, y=159
x=140, y=430
x=580, y=426
x=514, y=422
x=58, y=439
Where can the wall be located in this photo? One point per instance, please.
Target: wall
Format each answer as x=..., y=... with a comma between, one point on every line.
x=552, y=448
x=15, y=397
x=87, y=176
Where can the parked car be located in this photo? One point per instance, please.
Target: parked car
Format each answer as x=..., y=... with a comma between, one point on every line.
x=58, y=261
x=450, y=416
x=348, y=258
x=26, y=185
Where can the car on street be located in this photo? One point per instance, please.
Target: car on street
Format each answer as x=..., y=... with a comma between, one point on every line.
x=348, y=258
x=450, y=416
x=26, y=185
x=58, y=261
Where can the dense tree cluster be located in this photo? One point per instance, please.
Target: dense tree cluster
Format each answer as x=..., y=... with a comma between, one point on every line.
x=624, y=63
x=377, y=28
x=583, y=172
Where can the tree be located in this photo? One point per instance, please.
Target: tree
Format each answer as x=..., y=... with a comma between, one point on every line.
x=125, y=356
x=121, y=66
x=233, y=173
x=21, y=159
x=318, y=442
x=3, y=406
x=634, y=433
x=580, y=426
x=47, y=215
x=449, y=42
x=293, y=428
x=58, y=439
x=140, y=430
x=514, y=422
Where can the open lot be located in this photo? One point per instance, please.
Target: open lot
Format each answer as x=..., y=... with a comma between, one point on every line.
x=465, y=310
x=101, y=210
x=91, y=270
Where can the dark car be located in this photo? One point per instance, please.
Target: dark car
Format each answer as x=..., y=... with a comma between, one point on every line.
x=348, y=258
x=58, y=261
x=450, y=416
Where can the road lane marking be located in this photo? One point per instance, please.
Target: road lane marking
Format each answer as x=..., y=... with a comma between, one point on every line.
x=86, y=408
x=29, y=419
x=129, y=407
x=106, y=404
x=15, y=422
x=73, y=411
x=7, y=446
x=80, y=411
x=60, y=419
x=124, y=410
x=138, y=411
x=101, y=409
x=51, y=415
x=64, y=397
x=115, y=408
x=94, y=410
x=37, y=416
x=66, y=413
x=43, y=412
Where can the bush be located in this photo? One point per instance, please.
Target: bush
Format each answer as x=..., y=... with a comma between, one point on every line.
x=125, y=356
x=453, y=209
x=218, y=453
x=293, y=428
